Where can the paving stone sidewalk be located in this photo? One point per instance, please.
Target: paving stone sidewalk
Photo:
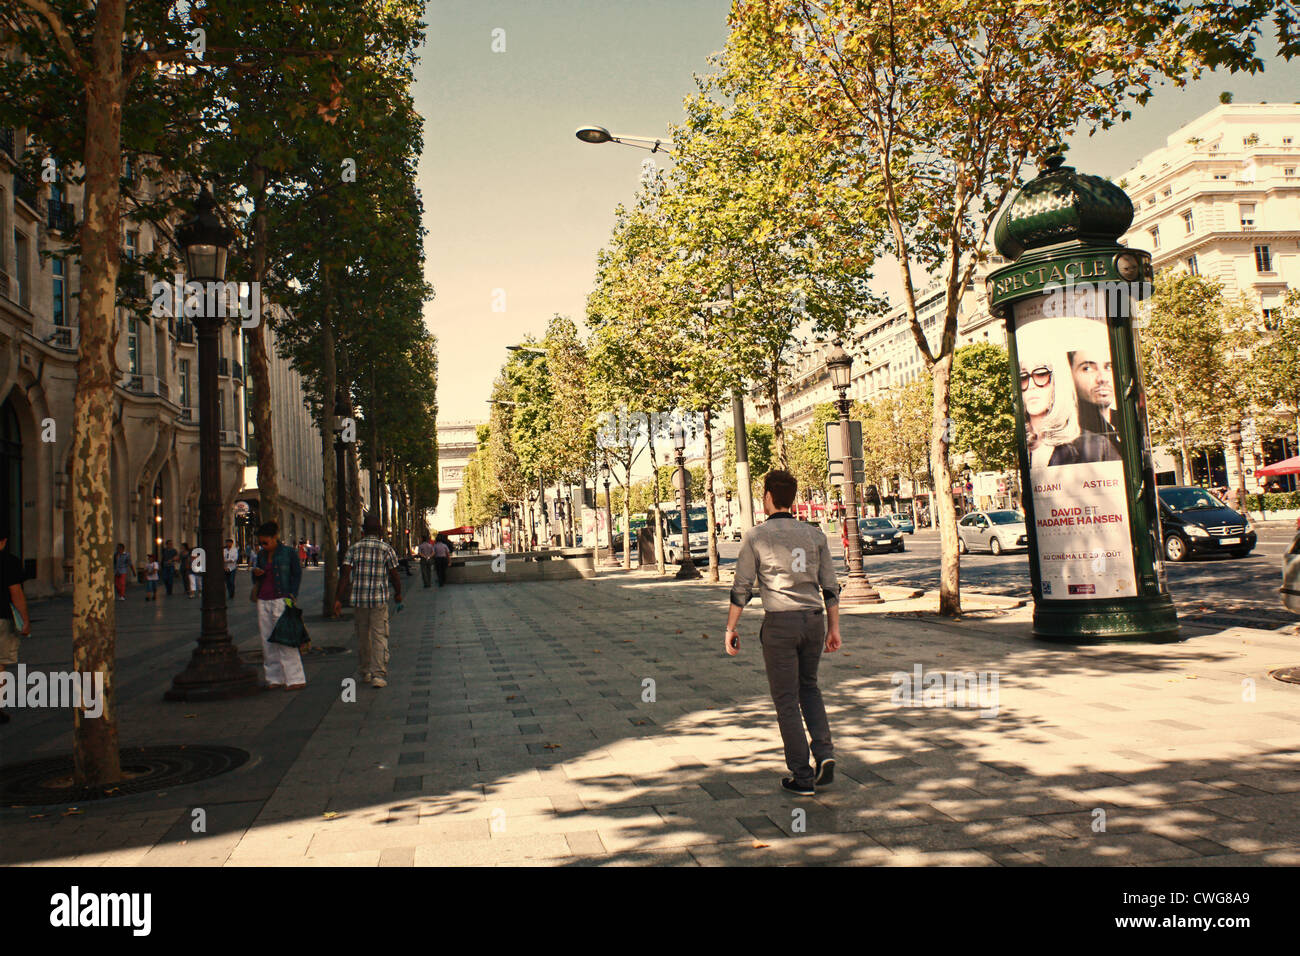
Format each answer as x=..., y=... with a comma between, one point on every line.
x=599, y=722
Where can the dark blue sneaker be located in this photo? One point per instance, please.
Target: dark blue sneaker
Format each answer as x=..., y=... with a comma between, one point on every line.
x=825, y=772
x=790, y=785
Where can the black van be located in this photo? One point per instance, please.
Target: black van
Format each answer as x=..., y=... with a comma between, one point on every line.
x=1193, y=521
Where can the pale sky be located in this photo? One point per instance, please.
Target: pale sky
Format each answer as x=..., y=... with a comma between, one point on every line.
x=514, y=202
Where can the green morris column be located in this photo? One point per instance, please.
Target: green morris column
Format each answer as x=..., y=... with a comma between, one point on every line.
x=1095, y=555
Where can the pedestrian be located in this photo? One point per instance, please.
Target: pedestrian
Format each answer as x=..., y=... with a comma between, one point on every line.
x=441, y=558
x=369, y=568
x=426, y=551
x=790, y=562
x=302, y=553
x=121, y=567
x=230, y=561
x=168, y=566
x=151, y=578
x=276, y=578
x=15, y=622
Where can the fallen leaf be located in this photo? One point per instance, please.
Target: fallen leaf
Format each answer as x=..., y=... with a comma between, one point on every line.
x=760, y=846
x=329, y=814
x=72, y=811
x=191, y=715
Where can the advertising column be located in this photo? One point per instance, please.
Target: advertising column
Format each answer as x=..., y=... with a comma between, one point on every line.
x=1089, y=488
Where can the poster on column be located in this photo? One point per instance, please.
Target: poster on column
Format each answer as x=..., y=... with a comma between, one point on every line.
x=1067, y=393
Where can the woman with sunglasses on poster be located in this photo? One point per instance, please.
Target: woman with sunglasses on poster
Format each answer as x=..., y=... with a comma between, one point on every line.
x=1052, y=418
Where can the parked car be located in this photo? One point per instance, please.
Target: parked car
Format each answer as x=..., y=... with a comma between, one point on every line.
x=734, y=534
x=998, y=531
x=1193, y=521
x=902, y=523
x=1291, y=574
x=879, y=534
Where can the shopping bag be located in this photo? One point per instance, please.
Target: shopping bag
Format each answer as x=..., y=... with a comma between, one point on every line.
x=289, y=629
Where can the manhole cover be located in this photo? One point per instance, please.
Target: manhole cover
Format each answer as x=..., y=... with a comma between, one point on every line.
x=144, y=769
x=1289, y=675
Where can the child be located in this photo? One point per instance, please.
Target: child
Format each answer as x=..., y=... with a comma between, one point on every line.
x=151, y=578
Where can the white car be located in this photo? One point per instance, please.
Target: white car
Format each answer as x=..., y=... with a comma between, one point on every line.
x=994, y=531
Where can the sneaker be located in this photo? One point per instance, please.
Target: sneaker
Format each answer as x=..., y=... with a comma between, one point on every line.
x=378, y=682
x=825, y=772
x=790, y=785
x=365, y=677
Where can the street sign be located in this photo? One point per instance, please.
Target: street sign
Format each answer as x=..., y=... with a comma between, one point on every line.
x=836, y=471
x=834, y=448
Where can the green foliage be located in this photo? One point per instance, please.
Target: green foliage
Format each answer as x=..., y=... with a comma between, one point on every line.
x=983, y=416
x=1276, y=360
x=759, y=446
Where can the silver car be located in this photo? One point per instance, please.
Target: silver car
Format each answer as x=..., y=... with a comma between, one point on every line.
x=1291, y=575
x=994, y=531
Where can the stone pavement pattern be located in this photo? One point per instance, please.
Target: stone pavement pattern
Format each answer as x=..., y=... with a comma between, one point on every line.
x=518, y=729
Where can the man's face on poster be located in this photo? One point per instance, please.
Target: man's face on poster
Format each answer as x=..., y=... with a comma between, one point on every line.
x=1092, y=376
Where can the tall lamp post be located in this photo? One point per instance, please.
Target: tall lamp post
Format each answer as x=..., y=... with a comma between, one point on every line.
x=687, y=570
x=858, y=589
x=214, y=671
x=341, y=474
x=610, y=559
x=728, y=509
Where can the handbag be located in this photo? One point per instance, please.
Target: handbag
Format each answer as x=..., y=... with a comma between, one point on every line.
x=289, y=630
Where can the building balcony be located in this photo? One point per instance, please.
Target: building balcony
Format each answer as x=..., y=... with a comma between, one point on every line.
x=187, y=415
x=61, y=216
x=185, y=332
x=27, y=192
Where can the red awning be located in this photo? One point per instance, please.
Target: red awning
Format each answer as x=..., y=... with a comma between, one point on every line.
x=1290, y=466
x=464, y=529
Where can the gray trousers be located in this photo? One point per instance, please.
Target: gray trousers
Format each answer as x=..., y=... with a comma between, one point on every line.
x=792, y=648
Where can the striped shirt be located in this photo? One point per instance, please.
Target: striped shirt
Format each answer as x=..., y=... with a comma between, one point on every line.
x=370, y=560
x=790, y=561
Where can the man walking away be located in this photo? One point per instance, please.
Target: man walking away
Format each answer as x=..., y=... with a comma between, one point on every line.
x=369, y=568
x=426, y=550
x=15, y=622
x=441, y=558
x=121, y=567
x=168, y=569
x=276, y=578
x=230, y=559
x=791, y=563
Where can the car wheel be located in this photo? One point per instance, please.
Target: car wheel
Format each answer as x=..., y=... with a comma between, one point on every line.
x=1175, y=548
x=995, y=546
x=902, y=546
x=961, y=545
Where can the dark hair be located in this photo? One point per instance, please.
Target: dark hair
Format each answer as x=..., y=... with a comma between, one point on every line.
x=782, y=486
x=268, y=529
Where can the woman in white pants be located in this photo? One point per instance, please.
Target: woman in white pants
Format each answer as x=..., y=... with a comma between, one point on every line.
x=277, y=574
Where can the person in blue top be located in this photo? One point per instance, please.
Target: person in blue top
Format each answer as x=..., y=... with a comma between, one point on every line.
x=277, y=574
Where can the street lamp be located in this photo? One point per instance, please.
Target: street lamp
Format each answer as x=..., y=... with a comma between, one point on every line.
x=728, y=509
x=611, y=560
x=857, y=590
x=598, y=134
x=214, y=671
x=687, y=570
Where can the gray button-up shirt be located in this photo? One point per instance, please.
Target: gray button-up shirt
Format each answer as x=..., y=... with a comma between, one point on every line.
x=791, y=562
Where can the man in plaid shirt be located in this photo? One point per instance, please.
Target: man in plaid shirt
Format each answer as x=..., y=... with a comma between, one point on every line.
x=368, y=568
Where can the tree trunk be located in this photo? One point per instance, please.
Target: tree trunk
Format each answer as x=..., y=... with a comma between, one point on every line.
x=352, y=464
x=710, y=499
x=329, y=382
x=945, y=512
x=96, y=757
x=660, y=562
x=1184, y=461
x=778, y=428
x=268, y=486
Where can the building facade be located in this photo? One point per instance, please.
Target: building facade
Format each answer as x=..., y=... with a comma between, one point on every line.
x=1221, y=199
x=155, y=453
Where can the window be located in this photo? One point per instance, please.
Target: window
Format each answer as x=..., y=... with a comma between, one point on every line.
x=1270, y=322
x=1169, y=191
x=22, y=252
x=1289, y=172
x=60, y=311
x=1189, y=222
x=1247, y=210
x=132, y=243
x=185, y=382
x=1263, y=259
x=1220, y=175
x=1155, y=237
x=133, y=344
x=1192, y=266
x=1286, y=140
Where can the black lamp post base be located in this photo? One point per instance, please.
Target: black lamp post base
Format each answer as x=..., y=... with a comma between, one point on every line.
x=687, y=571
x=858, y=590
x=214, y=673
